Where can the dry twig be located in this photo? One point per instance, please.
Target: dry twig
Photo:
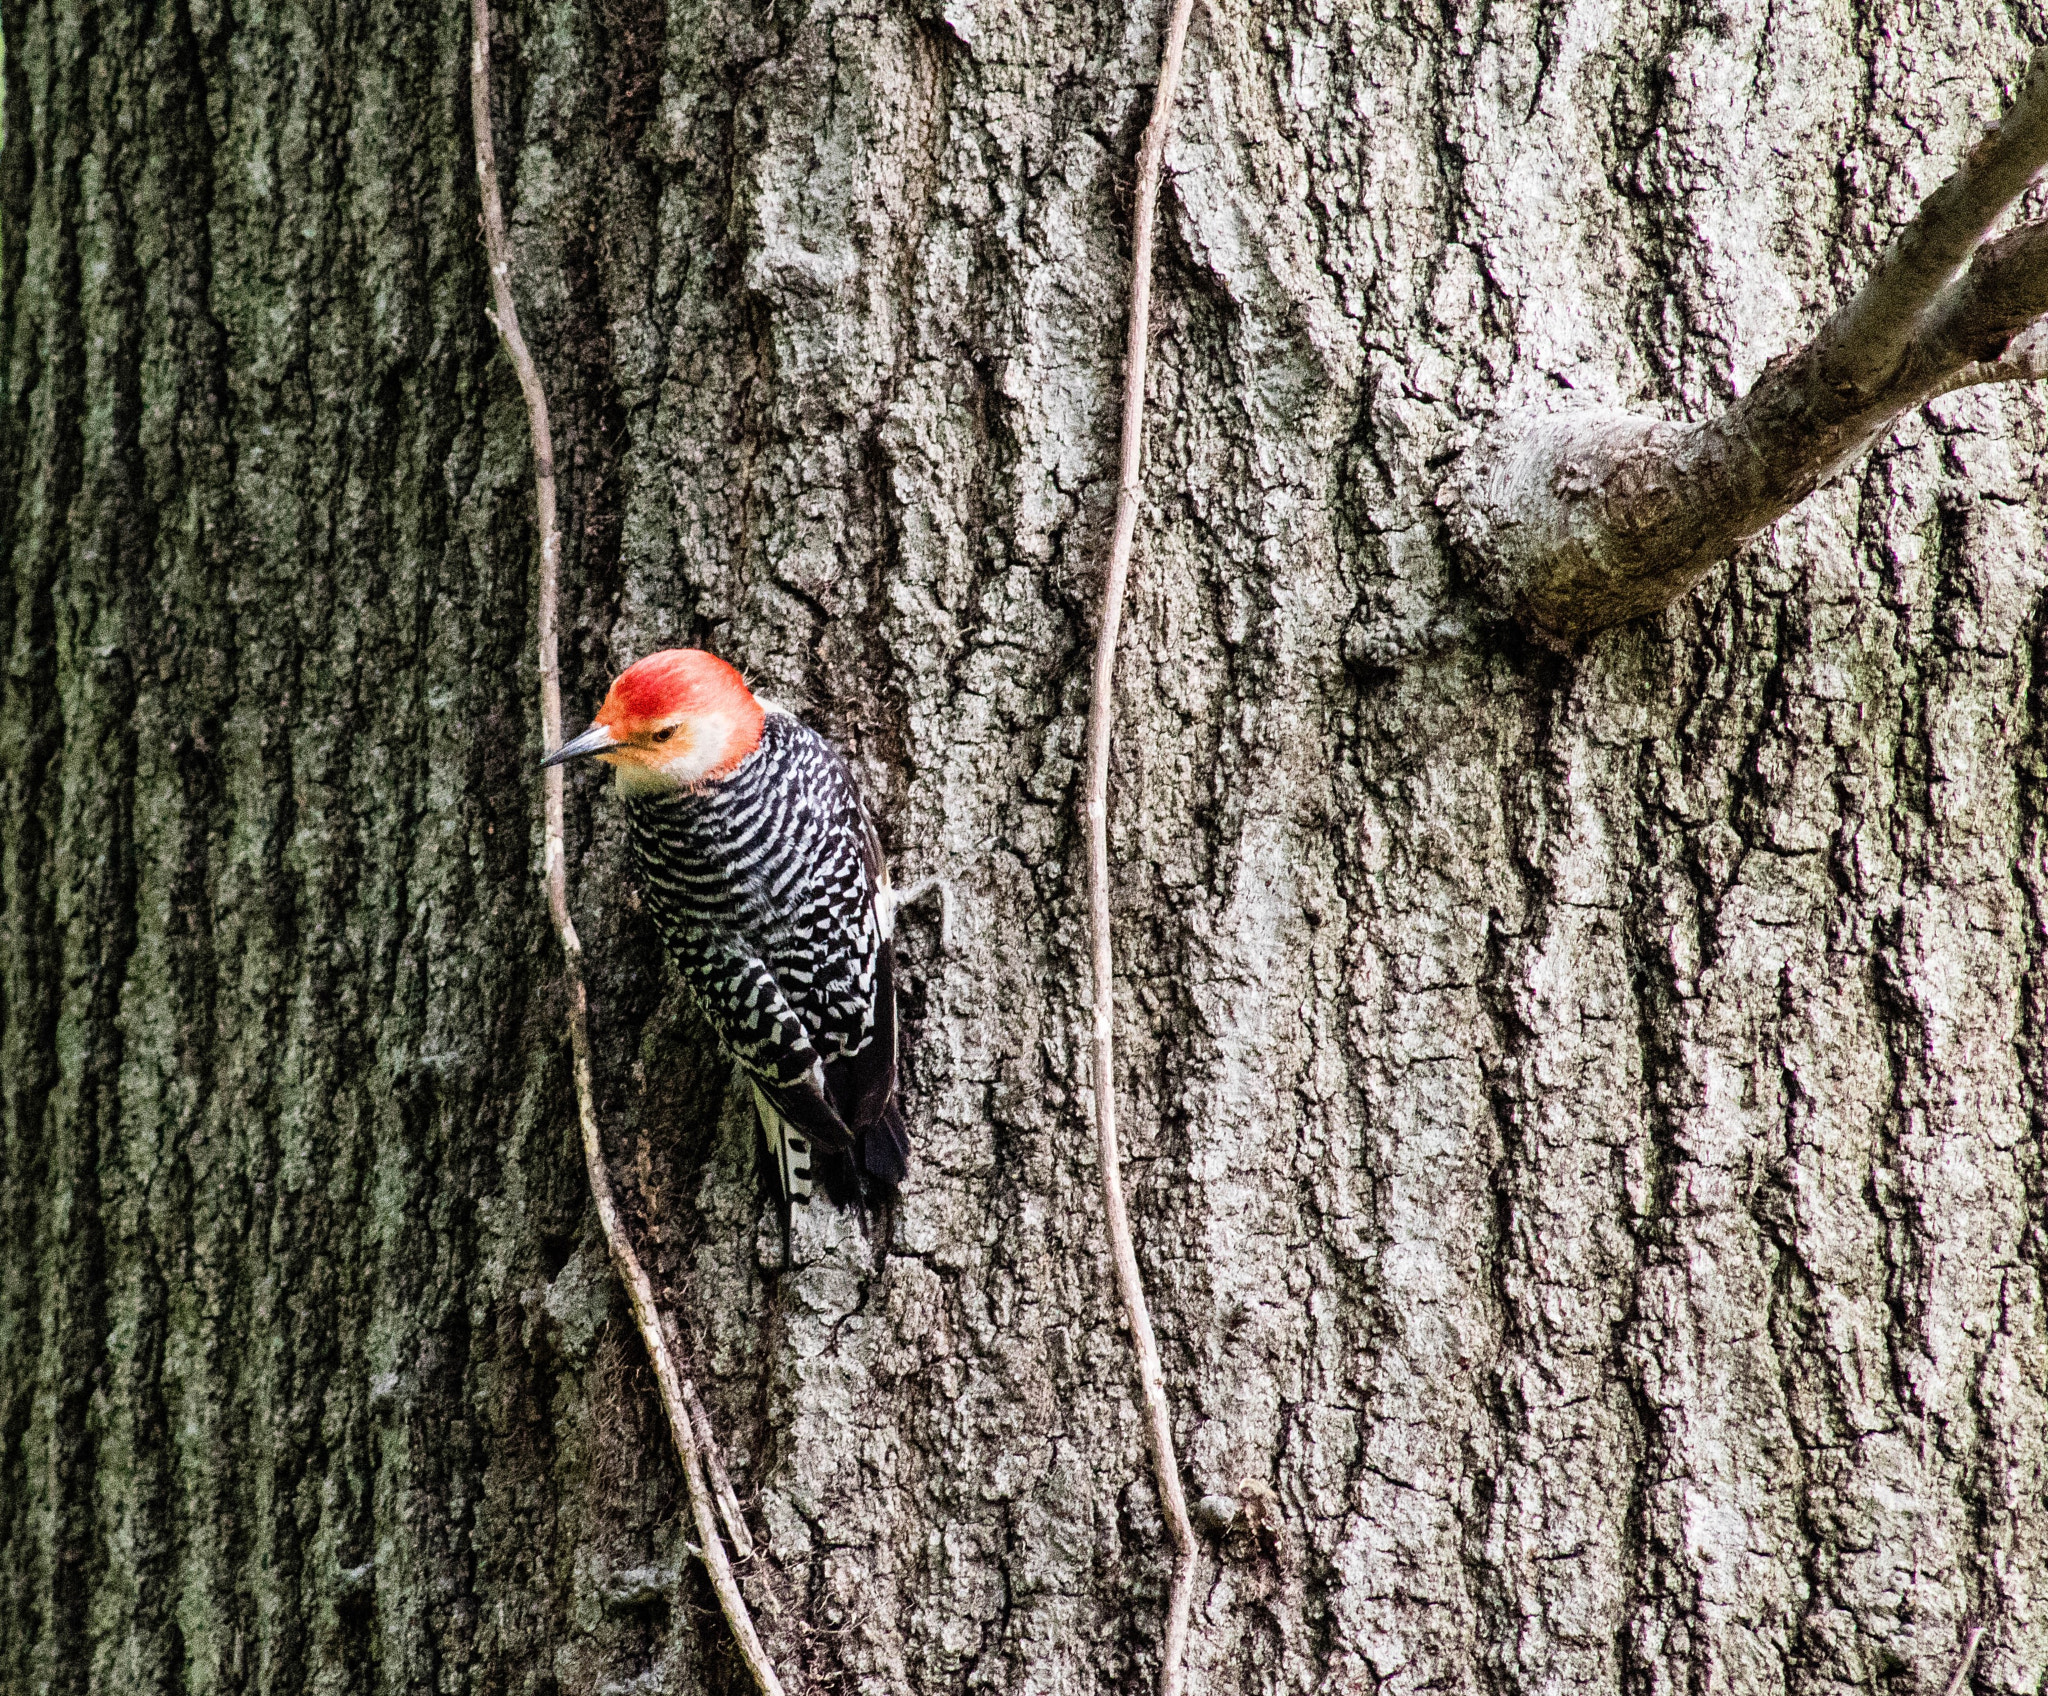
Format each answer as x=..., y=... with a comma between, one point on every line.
x=1955, y=1685
x=678, y=1397
x=1101, y=718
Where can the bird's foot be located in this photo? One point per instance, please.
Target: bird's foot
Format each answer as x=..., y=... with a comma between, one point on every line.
x=917, y=892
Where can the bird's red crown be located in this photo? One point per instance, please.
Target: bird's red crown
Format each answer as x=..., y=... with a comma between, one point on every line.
x=675, y=680
x=682, y=711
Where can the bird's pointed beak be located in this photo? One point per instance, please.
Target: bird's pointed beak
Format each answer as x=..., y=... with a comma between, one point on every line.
x=593, y=741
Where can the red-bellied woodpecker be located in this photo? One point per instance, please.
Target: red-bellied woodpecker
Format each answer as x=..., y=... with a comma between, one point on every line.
x=767, y=882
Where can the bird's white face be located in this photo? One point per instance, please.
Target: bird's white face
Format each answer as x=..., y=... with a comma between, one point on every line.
x=678, y=752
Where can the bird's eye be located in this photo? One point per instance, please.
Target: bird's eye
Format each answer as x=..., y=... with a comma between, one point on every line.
x=664, y=735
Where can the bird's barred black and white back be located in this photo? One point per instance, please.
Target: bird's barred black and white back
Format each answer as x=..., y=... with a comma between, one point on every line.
x=769, y=889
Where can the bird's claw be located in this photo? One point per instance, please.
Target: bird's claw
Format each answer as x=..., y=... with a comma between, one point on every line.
x=917, y=892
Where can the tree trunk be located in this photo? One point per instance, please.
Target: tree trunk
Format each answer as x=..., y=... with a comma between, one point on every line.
x=1584, y=1111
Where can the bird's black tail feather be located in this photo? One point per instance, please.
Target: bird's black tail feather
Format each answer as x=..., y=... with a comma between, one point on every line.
x=885, y=1148
x=807, y=1149
x=873, y=1169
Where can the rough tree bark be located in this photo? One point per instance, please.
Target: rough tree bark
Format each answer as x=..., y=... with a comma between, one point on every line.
x=1583, y=1111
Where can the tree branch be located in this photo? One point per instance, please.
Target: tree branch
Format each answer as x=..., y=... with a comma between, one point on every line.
x=2025, y=361
x=678, y=1396
x=2003, y=292
x=1101, y=718
x=1580, y=520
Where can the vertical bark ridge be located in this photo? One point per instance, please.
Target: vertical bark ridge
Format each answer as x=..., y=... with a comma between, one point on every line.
x=43, y=371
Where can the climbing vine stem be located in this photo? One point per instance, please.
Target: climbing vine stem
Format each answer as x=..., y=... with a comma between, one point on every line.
x=1101, y=721
x=694, y=1446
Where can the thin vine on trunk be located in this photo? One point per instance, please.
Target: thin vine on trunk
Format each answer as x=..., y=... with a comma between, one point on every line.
x=1101, y=721
x=678, y=1396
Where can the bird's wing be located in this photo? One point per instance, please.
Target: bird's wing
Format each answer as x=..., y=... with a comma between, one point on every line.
x=863, y=1084
x=846, y=991
x=741, y=999
x=868, y=1083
